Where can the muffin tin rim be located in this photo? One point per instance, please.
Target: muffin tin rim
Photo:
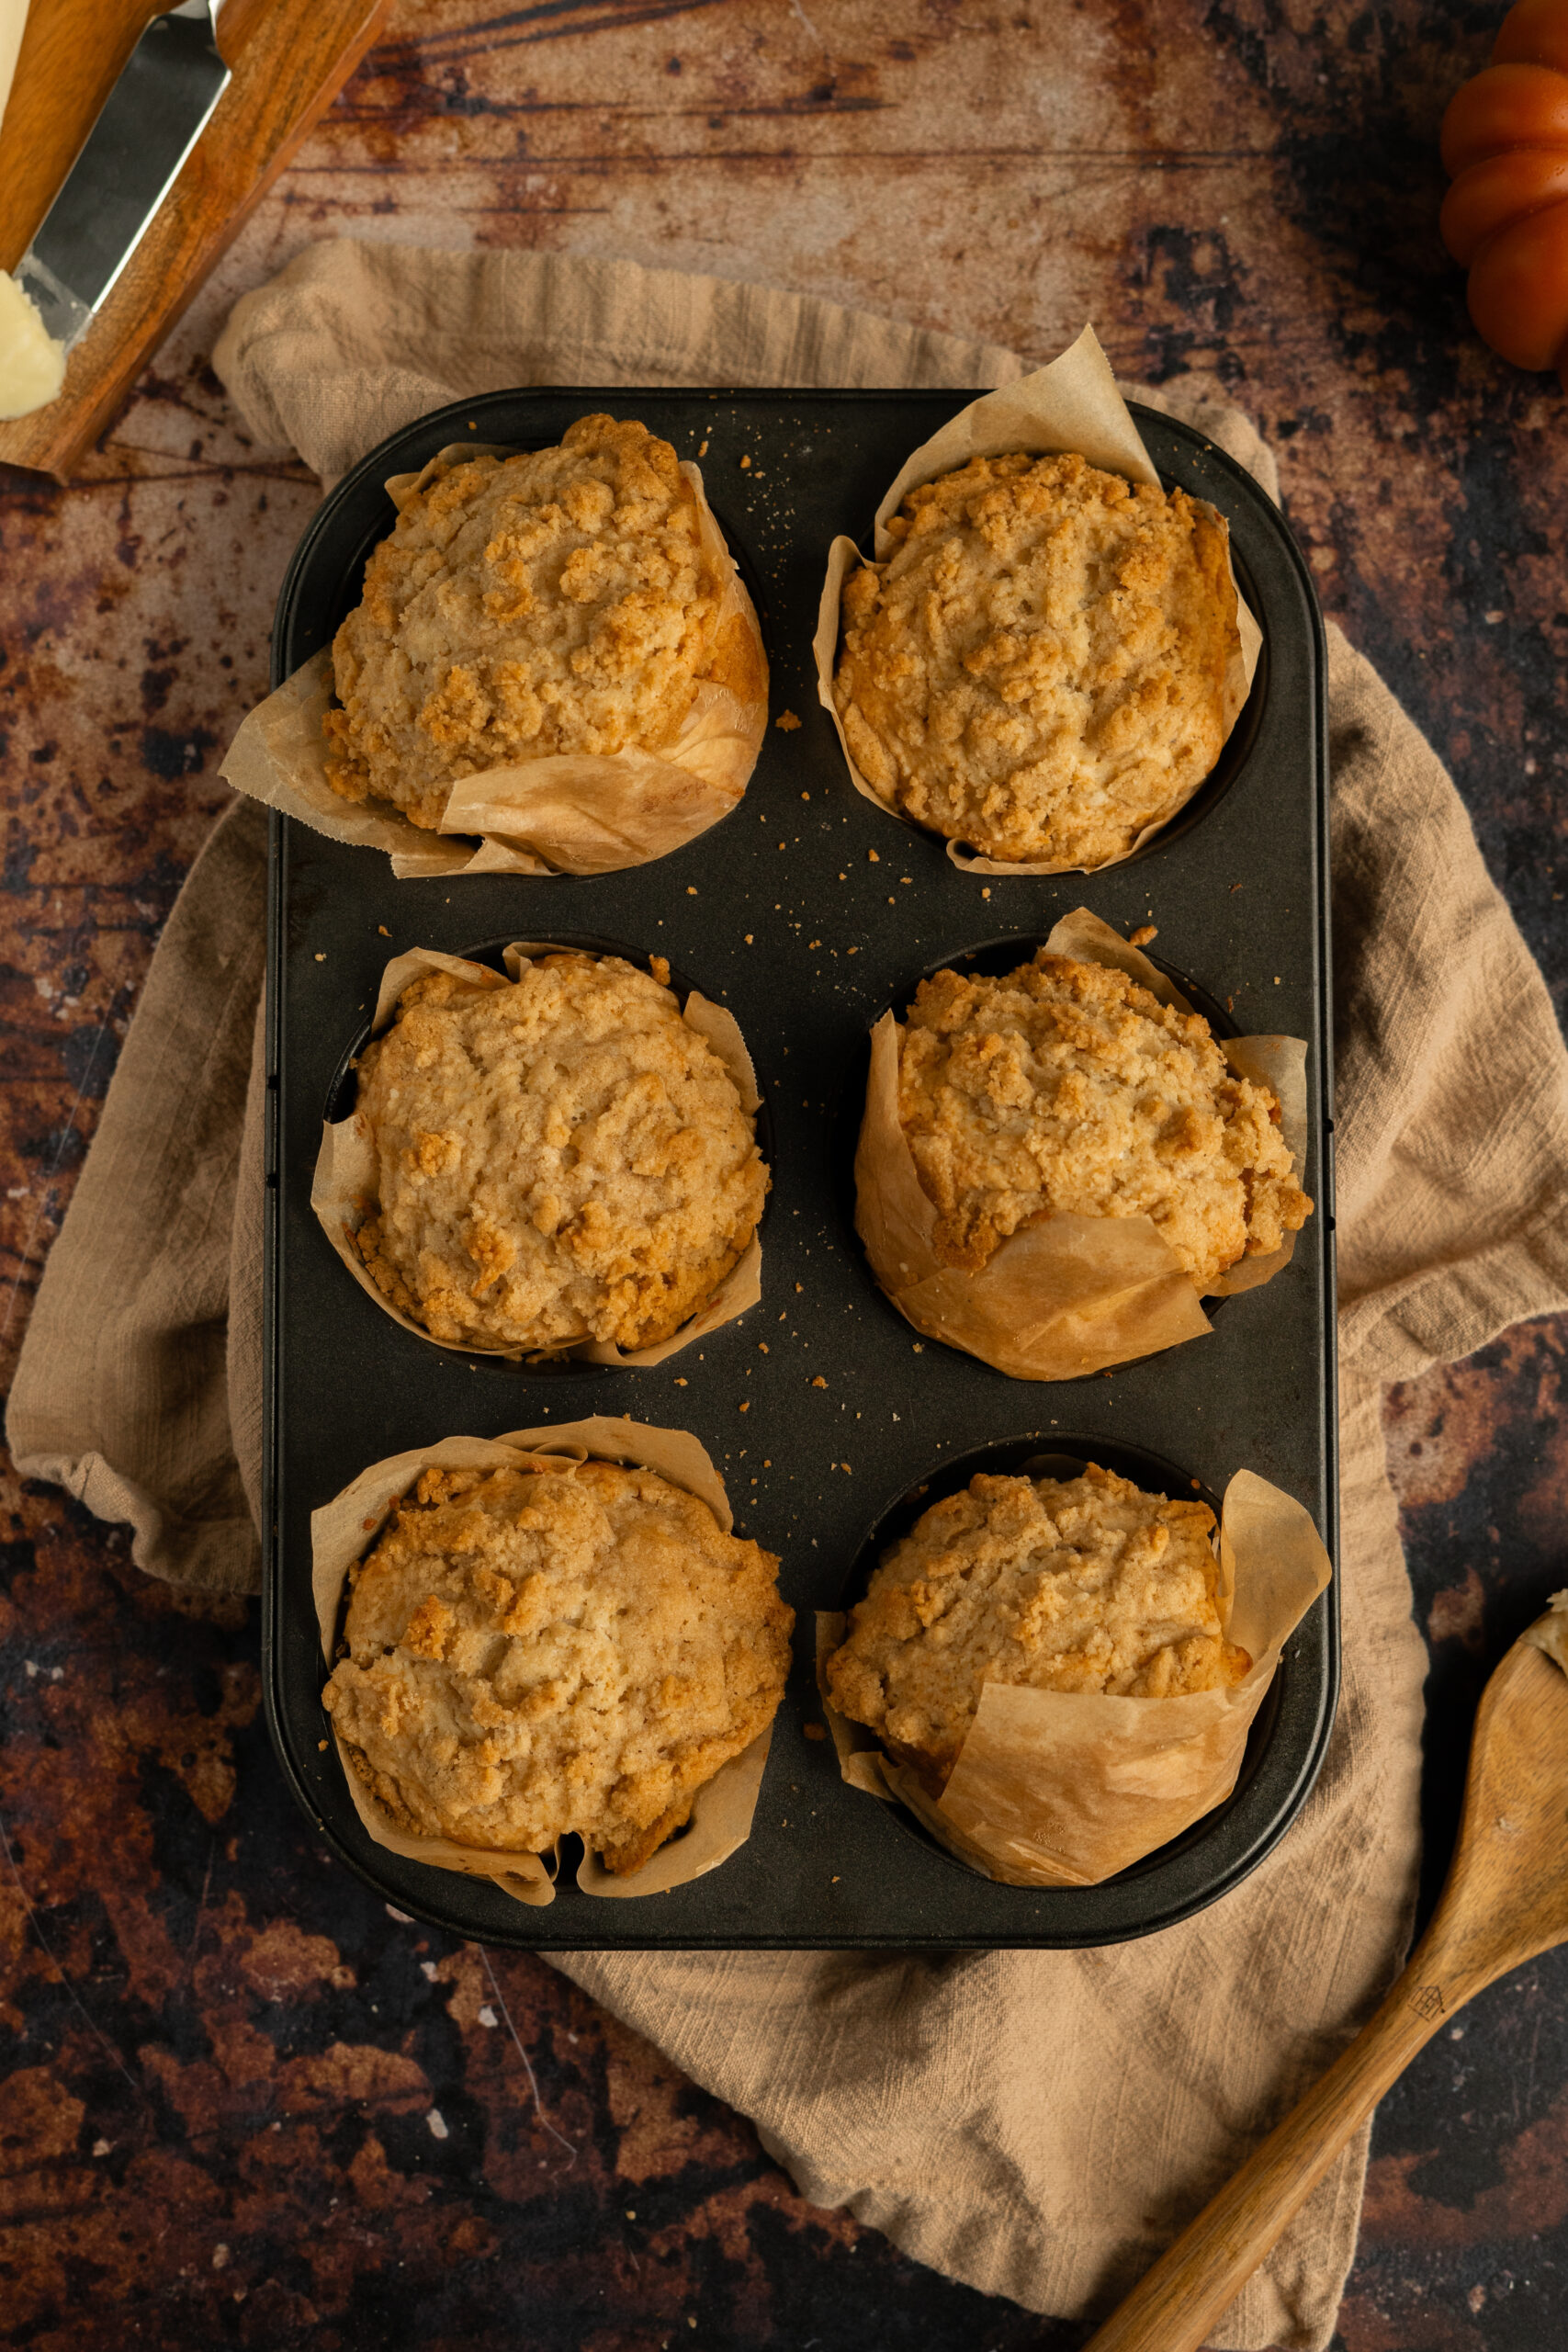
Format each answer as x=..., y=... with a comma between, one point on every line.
x=571, y=401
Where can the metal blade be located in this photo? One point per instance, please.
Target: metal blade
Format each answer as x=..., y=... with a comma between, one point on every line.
x=150, y=120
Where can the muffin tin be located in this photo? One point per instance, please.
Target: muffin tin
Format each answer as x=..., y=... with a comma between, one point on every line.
x=806, y=913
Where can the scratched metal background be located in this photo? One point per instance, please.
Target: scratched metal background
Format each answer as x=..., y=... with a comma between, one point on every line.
x=241, y=2106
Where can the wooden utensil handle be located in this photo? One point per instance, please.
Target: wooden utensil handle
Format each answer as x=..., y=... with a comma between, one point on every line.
x=1174, y=2306
x=289, y=59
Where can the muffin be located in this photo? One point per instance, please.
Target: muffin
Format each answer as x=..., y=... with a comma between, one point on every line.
x=1040, y=668
x=1085, y=1584
x=531, y=1653
x=560, y=1158
x=1065, y=1088
x=567, y=600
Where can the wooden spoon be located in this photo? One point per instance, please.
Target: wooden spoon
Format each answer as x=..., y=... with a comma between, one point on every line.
x=1505, y=1899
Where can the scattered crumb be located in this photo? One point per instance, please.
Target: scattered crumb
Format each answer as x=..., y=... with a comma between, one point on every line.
x=1277, y=981
x=873, y=856
x=986, y=892
x=748, y=939
x=800, y=1286
x=1144, y=933
x=763, y=1346
x=786, y=722
x=745, y=463
x=1234, y=888
x=703, y=450
x=320, y=1747
x=321, y=960
x=680, y=1382
x=1230, y=1004
x=747, y=1407
x=819, y=1382
x=384, y=931
x=690, y=890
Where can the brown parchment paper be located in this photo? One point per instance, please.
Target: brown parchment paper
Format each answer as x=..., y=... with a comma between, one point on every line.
x=1073, y=1295
x=1073, y=404
x=343, y=1531
x=1057, y=1788
x=565, y=813
x=344, y=1184
x=1549, y=1632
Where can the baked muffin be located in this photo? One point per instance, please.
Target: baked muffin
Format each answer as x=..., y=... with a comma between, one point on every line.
x=1039, y=668
x=562, y=1158
x=563, y=601
x=1066, y=1088
x=531, y=1653
x=1084, y=1584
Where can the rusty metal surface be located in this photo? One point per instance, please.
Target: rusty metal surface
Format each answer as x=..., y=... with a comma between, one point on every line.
x=241, y=2105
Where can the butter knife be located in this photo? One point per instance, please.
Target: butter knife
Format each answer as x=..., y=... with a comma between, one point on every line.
x=132, y=156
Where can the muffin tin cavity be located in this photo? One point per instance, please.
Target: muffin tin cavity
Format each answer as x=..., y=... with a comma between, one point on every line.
x=993, y=959
x=342, y=1096
x=1064, y=1457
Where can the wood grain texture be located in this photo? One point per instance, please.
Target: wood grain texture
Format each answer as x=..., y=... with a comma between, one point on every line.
x=1504, y=1903
x=71, y=57
x=289, y=59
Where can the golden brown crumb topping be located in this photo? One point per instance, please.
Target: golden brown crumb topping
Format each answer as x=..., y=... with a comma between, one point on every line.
x=1039, y=667
x=562, y=1158
x=1066, y=1088
x=1088, y=1585
x=561, y=601
x=531, y=1654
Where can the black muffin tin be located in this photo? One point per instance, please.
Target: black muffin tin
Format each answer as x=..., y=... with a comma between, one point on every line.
x=824, y=1437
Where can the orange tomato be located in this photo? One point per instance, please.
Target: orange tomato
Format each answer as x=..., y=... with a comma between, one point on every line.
x=1506, y=217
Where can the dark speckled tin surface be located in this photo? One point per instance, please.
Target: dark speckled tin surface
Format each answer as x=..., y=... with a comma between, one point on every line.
x=805, y=912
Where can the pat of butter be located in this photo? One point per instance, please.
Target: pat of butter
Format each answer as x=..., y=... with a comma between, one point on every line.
x=32, y=365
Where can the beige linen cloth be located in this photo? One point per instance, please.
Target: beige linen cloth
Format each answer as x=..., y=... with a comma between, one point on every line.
x=1036, y=2124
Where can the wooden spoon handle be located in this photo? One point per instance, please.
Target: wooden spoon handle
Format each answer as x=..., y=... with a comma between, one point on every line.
x=1173, y=2307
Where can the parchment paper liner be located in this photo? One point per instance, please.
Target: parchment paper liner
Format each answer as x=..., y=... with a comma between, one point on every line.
x=344, y=1187
x=1549, y=1632
x=1057, y=1787
x=1073, y=404
x=344, y=1530
x=1075, y=1294
x=568, y=812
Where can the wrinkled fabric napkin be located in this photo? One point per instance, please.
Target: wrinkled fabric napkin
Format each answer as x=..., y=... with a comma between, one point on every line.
x=1036, y=2124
